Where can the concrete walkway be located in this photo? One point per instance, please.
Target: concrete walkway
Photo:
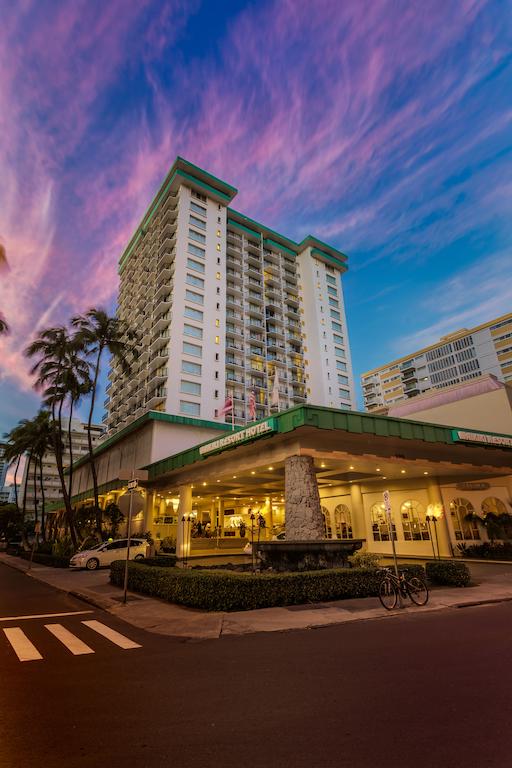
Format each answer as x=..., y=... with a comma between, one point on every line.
x=492, y=583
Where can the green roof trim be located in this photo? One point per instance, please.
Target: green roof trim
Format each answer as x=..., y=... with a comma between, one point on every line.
x=274, y=244
x=147, y=418
x=328, y=257
x=203, y=184
x=321, y=417
x=237, y=224
x=262, y=229
x=209, y=175
x=315, y=243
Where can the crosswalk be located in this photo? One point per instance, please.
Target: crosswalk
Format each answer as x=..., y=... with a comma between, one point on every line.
x=25, y=649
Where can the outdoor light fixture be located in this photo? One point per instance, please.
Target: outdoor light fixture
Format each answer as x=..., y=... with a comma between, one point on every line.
x=322, y=464
x=271, y=468
x=253, y=472
x=402, y=471
x=425, y=473
x=378, y=469
x=351, y=467
x=204, y=483
x=434, y=513
x=234, y=477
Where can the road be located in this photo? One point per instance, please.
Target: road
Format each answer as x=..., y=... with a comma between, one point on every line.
x=424, y=690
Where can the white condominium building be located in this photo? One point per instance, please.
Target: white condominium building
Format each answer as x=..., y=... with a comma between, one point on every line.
x=228, y=310
x=51, y=482
x=462, y=355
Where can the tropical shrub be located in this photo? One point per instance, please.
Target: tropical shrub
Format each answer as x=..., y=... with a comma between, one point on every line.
x=363, y=559
x=448, y=573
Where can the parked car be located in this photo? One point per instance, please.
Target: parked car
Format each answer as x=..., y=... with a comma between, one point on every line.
x=108, y=551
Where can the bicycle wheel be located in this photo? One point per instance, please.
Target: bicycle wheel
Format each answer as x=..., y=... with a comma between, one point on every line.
x=417, y=591
x=388, y=594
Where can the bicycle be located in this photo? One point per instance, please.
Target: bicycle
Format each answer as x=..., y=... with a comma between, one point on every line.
x=391, y=587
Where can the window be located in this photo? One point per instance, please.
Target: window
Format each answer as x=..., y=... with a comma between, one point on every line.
x=380, y=525
x=217, y=275
x=330, y=279
x=494, y=506
x=190, y=387
x=193, y=280
x=339, y=352
x=192, y=349
x=413, y=521
x=218, y=233
x=196, y=251
x=193, y=314
x=198, y=298
x=344, y=394
x=217, y=339
x=198, y=196
x=197, y=208
x=191, y=264
x=336, y=326
x=199, y=223
x=341, y=366
x=192, y=330
x=343, y=522
x=218, y=246
x=196, y=236
x=338, y=339
x=191, y=409
x=188, y=367
x=463, y=527
x=342, y=379
x=332, y=291
x=333, y=302
x=335, y=314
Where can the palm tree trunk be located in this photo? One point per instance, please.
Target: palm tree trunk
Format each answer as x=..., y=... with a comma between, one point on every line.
x=36, y=500
x=16, y=500
x=43, y=499
x=60, y=469
x=70, y=446
x=24, y=508
x=97, y=510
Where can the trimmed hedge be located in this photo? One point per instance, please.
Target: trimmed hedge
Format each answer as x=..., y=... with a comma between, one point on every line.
x=223, y=591
x=53, y=561
x=448, y=573
x=488, y=551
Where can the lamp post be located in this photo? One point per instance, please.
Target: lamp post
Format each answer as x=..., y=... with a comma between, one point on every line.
x=436, y=511
x=430, y=518
x=252, y=543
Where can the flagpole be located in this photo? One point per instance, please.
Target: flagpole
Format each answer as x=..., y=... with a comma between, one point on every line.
x=233, y=410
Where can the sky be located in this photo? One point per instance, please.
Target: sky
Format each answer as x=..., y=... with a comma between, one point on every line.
x=384, y=127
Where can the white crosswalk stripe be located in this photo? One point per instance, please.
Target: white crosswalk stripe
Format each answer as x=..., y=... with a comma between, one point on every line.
x=111, y=634
x=25, y=650
x=22, y=647
x=67, y=638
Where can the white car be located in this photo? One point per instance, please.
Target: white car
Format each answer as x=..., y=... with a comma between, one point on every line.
x=106, y=552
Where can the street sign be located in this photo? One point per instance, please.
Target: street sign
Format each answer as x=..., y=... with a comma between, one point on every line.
x=387, y=502
x=132, y=484
x=133, y=474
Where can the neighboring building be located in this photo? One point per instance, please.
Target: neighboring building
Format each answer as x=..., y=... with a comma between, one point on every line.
x=226, y=306
x=463, y=355
x=484, y=404
x=3, y=466
x=51, y=482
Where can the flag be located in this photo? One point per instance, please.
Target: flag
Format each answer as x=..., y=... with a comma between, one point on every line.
x=252, y=405
x=274, y=400
x=228, y=406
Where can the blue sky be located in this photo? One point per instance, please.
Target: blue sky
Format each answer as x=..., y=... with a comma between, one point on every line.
x=383, y=128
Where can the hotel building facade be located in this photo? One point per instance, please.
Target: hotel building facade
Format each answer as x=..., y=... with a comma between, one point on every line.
x=226, y=309
x=458, y=357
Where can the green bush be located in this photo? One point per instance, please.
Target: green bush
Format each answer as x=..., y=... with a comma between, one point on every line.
x=363, y=559
x=55, y=561
x=448, y=573
x=162, y=561
x=487, y=551
x=231, y=591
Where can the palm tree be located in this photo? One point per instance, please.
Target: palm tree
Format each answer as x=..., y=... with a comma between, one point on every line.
x=98, y=332
x=57, y=355
x=4, y=328
x=42, y=433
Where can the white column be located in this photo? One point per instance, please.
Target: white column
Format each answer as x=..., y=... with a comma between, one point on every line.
x=221, y=516
x=183, y=530
x=358, y=521
x=442, y=525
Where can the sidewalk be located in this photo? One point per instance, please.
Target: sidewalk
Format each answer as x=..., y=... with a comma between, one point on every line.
x=493, y=584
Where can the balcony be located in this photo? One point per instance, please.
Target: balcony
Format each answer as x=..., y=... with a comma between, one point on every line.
x=158, y=360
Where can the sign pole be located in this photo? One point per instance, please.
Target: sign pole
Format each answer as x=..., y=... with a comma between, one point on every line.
x=132, y=484
x=387, y=504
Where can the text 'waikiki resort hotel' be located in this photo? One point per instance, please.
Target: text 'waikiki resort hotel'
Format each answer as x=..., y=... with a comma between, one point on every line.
x=241, y=400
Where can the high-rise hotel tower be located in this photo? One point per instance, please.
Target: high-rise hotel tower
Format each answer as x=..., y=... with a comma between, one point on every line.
x=226, y=308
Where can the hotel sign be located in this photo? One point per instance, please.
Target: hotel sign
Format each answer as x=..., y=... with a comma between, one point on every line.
x=236, y=438
x=478, y=437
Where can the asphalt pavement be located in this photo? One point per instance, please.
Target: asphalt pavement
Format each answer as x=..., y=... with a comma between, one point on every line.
x=422, y=690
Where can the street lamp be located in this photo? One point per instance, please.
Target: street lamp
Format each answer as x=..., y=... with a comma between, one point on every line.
x=435, y=512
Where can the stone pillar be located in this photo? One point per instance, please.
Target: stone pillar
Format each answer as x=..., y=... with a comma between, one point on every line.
x=357, y=509
x=269, y=515
x=442, y=525
x=183, y=528
x=148, y=510
x=303, y=516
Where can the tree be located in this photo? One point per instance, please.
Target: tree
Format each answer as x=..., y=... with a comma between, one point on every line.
x=57, y=355
x=98, y=332
x=10, y=520
x=4, y=328
x=496, y=525
x=115, y=517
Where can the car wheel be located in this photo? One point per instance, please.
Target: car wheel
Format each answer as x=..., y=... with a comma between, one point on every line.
x=139, y=557
x=92, y=564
